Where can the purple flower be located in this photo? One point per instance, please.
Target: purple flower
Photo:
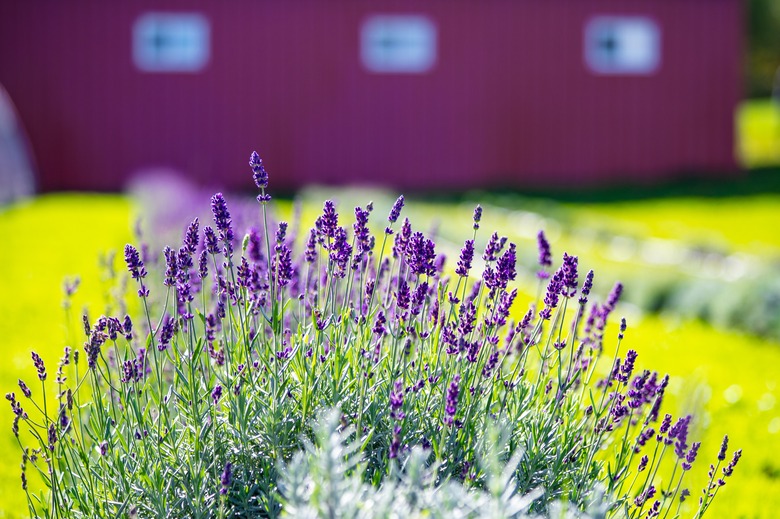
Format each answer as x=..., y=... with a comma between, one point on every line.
x=221, y=214
x=401, y=241
x=134, y=263
x=569, y=266
x=395, y=444
x=490, y=365
x=254, y=247
x=184, y=265
x=52, y=436
x=666, y=423
x=362, y=236
x=311, y=247
x=586, y=287
x=327, y=223
x=129, y=371
x=679, y=434
x=504, y=304
x=451, y=404
x=227, y=478
x=281, y=233
x=25, y=390
x=284, y=354
x=418, y=298
x=477, y=217
x=553, y=291
x=729, y=469
x=642, y=463
x=114, y=328
x=723, y=447
x=397, y=401
x=64, y=420
x=403, y=295
x=216, y=393
x=545, y=256
x=420, y=255
x=622, y=328
x=643, y=438
x=395, y=212
x=691, y=456
x=467, y=315
x=210, y=240
x=168, y=329
x=258, y=171
x=655, y=510
x=628, y=367
x=466, y=257
x=439, y=262
x=492, y=248
x=203, y=264
x=642, y=498
x=243, y=273
x=284, y=268
x=505, y=267
x=171, y=267
x=614, y=296
x=191, y=237
x=340, y=252
x=92, y=348
x=39, y=367
x=379, y=324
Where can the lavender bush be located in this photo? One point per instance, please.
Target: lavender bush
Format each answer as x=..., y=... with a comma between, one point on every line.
x=446, y=397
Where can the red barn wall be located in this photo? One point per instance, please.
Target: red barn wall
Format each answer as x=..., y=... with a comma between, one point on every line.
x=509, y=102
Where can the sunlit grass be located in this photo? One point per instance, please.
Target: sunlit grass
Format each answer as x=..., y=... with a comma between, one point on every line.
x=730, y=381
x=45, y=240
x=758, y=130
x=745, y=223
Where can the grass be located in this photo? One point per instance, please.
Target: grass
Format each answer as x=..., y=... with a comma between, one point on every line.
x=45, y=240
x=758, y=127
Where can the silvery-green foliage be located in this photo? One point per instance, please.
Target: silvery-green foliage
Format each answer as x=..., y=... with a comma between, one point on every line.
x=325, y=481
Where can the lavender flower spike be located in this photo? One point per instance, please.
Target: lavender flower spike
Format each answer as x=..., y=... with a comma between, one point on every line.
x=614, y=296
x=39, y=367
x=134, y=263
x=477, y=216
x=395, y=212
x=586, y=287
x=451, y=406
x=691, y=456
x=259, y=174
x=220, y=211
x=466, y=257
x=569, y=275
x=723, y=447
x=226, y=478
x=545, y=256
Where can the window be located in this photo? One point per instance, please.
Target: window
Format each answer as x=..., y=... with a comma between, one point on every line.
x=171, y=42
x=401, y=44
x=628, y=45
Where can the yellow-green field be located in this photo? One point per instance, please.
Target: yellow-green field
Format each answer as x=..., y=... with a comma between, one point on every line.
x=44, y=241
x=758, y=128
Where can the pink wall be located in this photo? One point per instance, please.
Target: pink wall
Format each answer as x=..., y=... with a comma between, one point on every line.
x=509, y=102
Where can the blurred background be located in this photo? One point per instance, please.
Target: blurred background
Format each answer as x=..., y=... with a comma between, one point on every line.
x=642, y=135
